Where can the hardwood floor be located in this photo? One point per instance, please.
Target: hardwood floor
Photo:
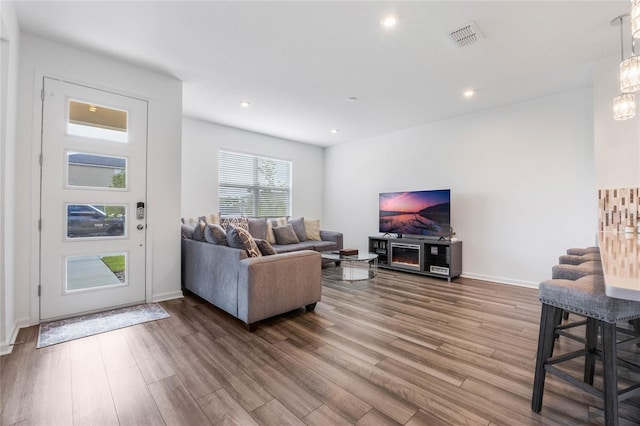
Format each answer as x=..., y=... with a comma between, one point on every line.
x=404, y=349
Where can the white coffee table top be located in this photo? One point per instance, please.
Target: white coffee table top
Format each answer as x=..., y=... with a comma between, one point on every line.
x=620, y=254
x=360, y=257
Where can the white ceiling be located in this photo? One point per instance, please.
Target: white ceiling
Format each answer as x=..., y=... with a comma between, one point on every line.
x=297, y=62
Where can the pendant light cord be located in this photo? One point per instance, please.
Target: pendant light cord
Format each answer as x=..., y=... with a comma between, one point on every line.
x=621, y=42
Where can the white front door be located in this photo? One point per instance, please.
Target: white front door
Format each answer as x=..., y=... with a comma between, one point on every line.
x=93, y=179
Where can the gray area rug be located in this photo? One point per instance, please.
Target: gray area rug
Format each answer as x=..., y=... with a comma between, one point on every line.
x=55, y=332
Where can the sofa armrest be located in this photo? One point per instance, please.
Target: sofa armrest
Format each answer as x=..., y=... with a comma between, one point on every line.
x=334, y=236
x=273, y=285
x=211, y=272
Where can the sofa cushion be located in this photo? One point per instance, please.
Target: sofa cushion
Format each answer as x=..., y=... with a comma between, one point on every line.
x=298, y=228
x=325, y=245
x=258, y=227
x=287, y=248
x=212, y=218
x=214, y=234
x=241, y=239
x=186, y=231
x=285, y=234
x=265, y=248
x=272, y=223
x=198, y=229
x=237, y=221
x=312, y=229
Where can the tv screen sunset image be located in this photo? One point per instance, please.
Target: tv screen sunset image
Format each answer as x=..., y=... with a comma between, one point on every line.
x=425, y=213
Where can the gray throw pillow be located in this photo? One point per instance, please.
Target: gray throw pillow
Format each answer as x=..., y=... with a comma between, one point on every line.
x=187, y=231
x=198, y=229
x=285, y=235
x=265, y=248
x=233, y=239
x=258, y=227
x=298, y=228
x=214, y=234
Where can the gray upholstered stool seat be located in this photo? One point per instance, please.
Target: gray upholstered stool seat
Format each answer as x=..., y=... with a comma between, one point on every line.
x=568, y=271
x=571, y=259
x=581, y=251
x=573, y=272
x=585, y=296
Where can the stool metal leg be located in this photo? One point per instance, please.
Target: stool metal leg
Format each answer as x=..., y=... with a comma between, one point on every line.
x=591, y=345
x=610, y=370
x=546, y=341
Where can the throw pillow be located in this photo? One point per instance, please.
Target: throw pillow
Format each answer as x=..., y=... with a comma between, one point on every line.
x=312, y=229
x=258, y=227
x=198, y=229
x=298, y=227
x=272, y=223
x=285, y=234
x=187, y=231
x=242, y=239
x=233, y=239
x=213, y=218
x=237, y=221
x=214, y=234
x=265, y=248
x=190, y=220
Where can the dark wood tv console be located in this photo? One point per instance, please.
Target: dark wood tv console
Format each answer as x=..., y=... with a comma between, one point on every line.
x=436, y=258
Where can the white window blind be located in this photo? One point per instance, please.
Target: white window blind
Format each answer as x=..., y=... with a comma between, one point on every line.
x=254, y=186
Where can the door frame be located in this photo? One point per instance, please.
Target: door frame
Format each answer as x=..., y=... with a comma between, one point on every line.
x=35, y=196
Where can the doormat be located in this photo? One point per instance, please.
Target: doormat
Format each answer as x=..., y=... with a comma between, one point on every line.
x=55, y=332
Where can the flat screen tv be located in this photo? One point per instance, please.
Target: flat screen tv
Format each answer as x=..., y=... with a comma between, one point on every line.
x=419, y=213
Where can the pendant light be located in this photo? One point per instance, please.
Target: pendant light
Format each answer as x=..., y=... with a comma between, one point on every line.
x=635, y=18
x=624, y=106
x=629, y=68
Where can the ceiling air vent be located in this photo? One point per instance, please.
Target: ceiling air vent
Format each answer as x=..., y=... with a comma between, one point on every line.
x=466, y=36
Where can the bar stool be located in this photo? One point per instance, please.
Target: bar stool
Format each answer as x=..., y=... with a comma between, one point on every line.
x=585, y=296
x=573, y=272
x=568, y=271
x=581, y=251
x=572, y=259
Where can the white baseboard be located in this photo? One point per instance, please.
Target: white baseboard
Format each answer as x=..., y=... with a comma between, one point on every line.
x=167, y=296
x=501, y=280
x=7, y=347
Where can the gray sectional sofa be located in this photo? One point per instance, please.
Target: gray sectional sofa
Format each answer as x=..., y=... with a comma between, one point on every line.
x=259, y=287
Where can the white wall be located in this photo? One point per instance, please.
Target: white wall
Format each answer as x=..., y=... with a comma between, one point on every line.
x=201, y=142
x=9, y=322
x=617, y=143
x=521, y=179
x=40, y=57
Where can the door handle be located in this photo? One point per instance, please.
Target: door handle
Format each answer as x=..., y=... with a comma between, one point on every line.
x=140, y=227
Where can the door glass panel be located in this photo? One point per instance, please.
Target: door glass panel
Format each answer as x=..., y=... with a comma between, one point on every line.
x=96, y=171
x=94, y=271
x=96, y=220
x=97, y=122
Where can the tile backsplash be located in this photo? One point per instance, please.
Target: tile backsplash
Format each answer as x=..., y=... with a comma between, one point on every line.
x=617, y=208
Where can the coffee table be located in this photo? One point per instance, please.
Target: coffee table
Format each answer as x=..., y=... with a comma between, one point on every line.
x=362, y=266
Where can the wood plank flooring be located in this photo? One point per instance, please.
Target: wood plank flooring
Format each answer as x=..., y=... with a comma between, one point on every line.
x=403, y=349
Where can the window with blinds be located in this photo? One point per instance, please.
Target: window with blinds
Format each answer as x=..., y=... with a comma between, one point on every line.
x=254, y=186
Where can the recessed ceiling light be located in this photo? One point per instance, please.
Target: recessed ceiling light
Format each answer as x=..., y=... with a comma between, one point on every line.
x=389, y=21
x=334, y=131
x=352, y=99
x=469, y=93
x=93, y=108
x=244, y=104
